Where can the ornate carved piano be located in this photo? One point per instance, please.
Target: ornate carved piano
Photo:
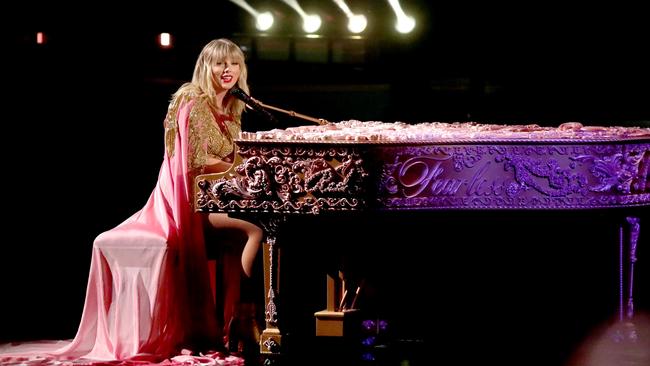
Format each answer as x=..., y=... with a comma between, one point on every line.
x=374, y=166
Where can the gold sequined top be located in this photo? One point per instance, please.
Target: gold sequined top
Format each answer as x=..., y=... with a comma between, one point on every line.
x=211, y=134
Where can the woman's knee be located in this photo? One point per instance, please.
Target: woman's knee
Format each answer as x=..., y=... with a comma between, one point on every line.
x=255, y=232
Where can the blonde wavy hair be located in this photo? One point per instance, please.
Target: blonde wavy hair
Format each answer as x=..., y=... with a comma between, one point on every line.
x=203, y=82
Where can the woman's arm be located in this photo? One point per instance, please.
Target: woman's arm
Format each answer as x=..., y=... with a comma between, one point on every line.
x=216, y=165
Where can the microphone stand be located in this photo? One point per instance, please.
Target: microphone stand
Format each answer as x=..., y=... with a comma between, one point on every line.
x=319, y=121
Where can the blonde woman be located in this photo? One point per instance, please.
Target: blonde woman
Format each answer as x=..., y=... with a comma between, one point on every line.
x=148, y=294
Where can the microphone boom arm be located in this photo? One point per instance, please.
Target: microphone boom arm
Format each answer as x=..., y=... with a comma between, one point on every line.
x=319, y=121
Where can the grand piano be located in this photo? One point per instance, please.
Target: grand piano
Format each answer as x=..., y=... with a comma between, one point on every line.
x=357, y=167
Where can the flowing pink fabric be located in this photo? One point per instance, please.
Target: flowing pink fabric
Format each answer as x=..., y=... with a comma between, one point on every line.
x=148, y=290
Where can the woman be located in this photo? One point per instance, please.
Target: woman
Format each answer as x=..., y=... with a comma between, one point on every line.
x=148, y=293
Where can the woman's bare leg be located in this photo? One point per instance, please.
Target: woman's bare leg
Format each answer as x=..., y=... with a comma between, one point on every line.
x=252, y=232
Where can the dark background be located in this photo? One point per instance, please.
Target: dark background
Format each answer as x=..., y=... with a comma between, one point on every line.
x=83, y=142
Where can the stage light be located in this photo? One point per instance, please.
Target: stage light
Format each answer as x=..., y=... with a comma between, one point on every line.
x=356, y=22
x=263, y=20
x=310, y=22
x=165, y=40
x=40, y=38
x=405, y=23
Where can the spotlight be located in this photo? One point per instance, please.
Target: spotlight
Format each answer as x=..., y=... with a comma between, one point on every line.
x=310, y=22
x=405, y=23
x=263, y=20
x=356, y=22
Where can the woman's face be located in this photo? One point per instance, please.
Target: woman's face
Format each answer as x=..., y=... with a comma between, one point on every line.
x=226, y=73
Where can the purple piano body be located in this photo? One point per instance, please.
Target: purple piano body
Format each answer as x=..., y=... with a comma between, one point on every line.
x=375, y=166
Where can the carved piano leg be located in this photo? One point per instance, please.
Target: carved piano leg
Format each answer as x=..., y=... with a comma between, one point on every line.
x=626, y=305
x=634, y=228
x=271, y=339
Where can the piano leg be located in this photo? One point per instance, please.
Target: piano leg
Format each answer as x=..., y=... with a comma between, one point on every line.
x=271, y=339
x=626, y=272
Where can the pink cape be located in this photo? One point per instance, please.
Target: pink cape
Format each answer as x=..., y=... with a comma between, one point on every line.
x=148, y=293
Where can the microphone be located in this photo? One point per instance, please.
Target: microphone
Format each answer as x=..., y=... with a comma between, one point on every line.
x=236, y=92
